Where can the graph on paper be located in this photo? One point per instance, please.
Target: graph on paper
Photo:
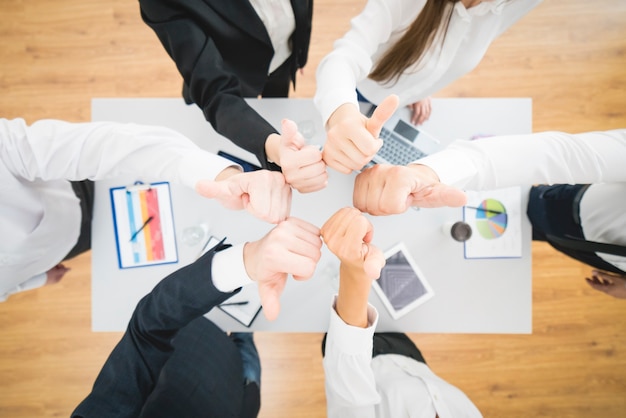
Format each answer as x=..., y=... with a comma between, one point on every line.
x=144, y=225
x=496, y=222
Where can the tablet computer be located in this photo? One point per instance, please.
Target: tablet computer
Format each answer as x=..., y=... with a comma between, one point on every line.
x=402, y=286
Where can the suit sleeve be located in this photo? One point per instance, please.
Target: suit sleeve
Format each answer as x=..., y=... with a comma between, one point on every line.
x=131, y=371
x=212, y=87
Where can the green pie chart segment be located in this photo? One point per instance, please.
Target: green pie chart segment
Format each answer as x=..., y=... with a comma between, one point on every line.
x=491, y=219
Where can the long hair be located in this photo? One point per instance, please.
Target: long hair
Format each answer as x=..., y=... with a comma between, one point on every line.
x=417, y=39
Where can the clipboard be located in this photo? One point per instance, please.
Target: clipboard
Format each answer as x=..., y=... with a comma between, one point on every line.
x=143, y=222
x=246, y=313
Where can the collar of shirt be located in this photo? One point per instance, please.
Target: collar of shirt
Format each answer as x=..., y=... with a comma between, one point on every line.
x=279, y=21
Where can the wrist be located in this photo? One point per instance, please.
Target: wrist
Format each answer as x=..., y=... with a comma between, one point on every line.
x=228, y=172
x=272, y=144
x=424, y=173
x=249, y=257
x=345, y=111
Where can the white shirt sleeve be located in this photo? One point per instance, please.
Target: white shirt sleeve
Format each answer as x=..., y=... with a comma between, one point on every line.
x=52, y=149
x=547, y=158
x=351, y=58
x=229, y=270
x=349, y=379
x=32, y=283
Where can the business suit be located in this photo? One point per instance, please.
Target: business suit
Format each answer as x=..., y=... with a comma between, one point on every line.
x=223, y=52
x=197, y=374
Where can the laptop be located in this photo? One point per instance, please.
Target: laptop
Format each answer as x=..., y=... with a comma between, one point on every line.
x=403, y=142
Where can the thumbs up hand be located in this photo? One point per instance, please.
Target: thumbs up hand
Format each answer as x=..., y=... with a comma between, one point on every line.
x=352, y=138
x=301, y=164
x=263, y=193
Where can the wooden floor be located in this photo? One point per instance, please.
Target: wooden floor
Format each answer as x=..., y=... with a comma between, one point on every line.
x=568, y=55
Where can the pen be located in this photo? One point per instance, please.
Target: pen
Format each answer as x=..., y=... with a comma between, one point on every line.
x=142, y=227
x=243, y=302
x=486, y=210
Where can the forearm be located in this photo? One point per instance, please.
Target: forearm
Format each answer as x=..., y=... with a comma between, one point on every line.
x=549, y=157
x=352, y=300
x=350, y=61
x=52, y=149
x=217, y=91
x=177, y=300
x=232, y=117
x=350, y=382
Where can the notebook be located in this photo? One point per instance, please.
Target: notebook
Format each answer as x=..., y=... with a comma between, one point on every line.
x=403, y=142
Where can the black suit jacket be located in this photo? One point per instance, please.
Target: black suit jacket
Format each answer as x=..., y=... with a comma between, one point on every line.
x=223, y=52
x=152, y=374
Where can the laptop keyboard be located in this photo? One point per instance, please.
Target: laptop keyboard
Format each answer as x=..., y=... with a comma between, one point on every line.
x=395, y=151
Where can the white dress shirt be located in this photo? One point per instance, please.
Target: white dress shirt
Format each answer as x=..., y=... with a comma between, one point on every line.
x=388, y=385
x=597, y=158
x=382, y=23
x=280, y=22
x=40, y=215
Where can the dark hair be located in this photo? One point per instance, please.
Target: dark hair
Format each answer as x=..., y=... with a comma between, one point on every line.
x=417, y=38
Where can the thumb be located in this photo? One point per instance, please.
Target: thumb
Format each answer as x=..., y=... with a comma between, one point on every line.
x=382, y=113
x=270, y=300
x=452, y=196
x=289, y=137
x=230, y=193
x=374, y=262
x=211, y=189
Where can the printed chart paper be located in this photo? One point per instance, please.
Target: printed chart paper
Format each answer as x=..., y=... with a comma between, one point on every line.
x=496, y=222
x=144, y=225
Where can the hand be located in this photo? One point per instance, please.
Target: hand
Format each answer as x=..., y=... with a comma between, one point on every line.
x=55, y=274
x=302, y=164
x=420, y=111
x=389, y=189
x=609, y=283
x=348, y=234
x=263, y=193
x=352, y=139
x=293, y=247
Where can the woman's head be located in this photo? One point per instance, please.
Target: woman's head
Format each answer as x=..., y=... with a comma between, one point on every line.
x=433, y=18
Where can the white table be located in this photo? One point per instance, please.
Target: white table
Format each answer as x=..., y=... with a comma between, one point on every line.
x=471, y=296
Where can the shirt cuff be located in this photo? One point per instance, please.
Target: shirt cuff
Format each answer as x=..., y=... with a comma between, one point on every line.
x=32, y=283
x=351, y=339
x=452, y=166
x=228, y=269
x=203, y=165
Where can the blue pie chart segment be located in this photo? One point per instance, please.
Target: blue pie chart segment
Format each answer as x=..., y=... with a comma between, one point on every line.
x=491, y=219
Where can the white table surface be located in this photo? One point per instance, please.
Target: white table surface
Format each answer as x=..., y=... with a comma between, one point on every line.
x=471, y=296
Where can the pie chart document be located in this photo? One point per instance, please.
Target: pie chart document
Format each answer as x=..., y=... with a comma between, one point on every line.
x=495, y=217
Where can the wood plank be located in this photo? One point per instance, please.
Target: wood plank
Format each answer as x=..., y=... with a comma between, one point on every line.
x=569, y=56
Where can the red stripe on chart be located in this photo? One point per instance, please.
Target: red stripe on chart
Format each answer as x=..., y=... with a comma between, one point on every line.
x=158, y=250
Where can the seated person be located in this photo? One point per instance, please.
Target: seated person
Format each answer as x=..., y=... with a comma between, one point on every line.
x=46, y=198
x=370, y=374
x=583, y=217
x=172, y=361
